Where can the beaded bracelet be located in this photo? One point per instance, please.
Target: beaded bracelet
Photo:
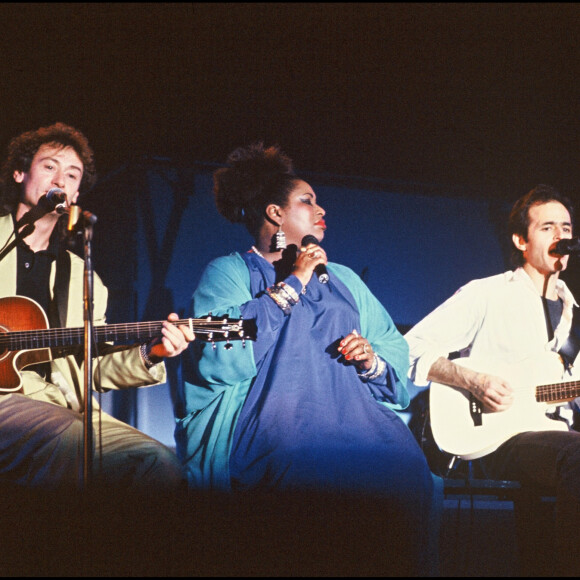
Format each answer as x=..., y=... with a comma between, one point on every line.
x=291, y=294
x=275, y=295
x=283, y=295
x=376, y=370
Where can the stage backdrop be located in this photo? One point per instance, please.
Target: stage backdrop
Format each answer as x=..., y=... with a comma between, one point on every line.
x=157, y=227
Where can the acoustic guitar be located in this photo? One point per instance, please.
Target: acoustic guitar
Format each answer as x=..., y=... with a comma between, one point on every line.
x=462, y=428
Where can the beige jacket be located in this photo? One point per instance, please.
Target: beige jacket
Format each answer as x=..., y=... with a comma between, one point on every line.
x=118, y=368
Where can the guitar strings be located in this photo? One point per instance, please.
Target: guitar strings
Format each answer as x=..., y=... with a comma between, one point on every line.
x=39, y=336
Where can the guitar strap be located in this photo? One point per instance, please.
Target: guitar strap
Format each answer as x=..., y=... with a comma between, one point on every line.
x=571, y=347
x=568, y=352
x=59, y=304
x=548, y=318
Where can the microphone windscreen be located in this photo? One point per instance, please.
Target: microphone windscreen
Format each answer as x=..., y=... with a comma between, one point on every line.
x=310, y=239
x=566, y=246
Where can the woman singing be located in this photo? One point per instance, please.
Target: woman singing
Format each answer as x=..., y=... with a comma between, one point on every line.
x=310, y=405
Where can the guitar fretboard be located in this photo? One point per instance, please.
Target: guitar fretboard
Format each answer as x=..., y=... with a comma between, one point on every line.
x=214, y=329
x=550, y=393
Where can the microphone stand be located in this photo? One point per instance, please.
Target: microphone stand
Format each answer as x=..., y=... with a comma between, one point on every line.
x=18, y=236
x=27, y=220
x=84, y=220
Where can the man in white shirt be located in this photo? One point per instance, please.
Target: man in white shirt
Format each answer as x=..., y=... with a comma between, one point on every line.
x=512, y=326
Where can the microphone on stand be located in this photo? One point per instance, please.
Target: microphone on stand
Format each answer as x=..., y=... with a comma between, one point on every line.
x=54, y=199
x=320, y=270
x=79, y=219
x=566, y=246
x=74, y=214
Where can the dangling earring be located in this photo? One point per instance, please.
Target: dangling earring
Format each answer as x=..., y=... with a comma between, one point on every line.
x=280, y=243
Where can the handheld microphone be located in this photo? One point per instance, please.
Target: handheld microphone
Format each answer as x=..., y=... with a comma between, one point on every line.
x=320, y=270
x=566, y=246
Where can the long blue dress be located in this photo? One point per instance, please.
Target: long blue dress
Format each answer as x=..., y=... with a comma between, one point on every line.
x=309, y=421
x=287, y=411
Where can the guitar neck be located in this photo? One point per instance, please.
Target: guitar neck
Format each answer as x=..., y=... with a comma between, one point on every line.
x=557, y=392
x=126, y=333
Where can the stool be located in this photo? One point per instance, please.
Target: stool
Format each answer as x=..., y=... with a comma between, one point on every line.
x=498, y=540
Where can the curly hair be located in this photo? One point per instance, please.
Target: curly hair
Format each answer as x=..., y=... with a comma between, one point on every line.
x=255, y=177
x=519, y=219
x=23, y=148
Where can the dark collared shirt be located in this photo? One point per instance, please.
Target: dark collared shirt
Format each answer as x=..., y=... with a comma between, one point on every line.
x=33, y=272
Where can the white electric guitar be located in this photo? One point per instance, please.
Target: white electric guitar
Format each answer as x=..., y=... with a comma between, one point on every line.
x=462, y=428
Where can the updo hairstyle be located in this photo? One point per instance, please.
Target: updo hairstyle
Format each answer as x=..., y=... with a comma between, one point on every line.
x=254, y=178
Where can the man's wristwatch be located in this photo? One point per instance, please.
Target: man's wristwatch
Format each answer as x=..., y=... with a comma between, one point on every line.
x=149, y=359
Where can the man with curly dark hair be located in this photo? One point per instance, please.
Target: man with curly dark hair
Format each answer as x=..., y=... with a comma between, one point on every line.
x=41, y=288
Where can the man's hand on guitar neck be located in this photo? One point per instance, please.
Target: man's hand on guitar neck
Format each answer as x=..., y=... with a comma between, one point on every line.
x=495, y=393
x=174, y=340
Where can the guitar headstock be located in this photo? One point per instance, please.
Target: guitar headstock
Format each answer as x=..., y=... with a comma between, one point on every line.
x=224, y=329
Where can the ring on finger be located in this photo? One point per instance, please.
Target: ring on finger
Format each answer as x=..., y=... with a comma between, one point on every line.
x=365, y=348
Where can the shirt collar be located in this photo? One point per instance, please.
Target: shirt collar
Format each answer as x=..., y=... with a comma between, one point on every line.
x=564, y=293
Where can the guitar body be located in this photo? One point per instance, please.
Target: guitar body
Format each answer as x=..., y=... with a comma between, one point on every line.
x=456, y=430
x=19, y=313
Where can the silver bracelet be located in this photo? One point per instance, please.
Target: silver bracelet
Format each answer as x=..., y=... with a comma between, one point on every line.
x=291, y=294
x=283, y=295
x=377, y=369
